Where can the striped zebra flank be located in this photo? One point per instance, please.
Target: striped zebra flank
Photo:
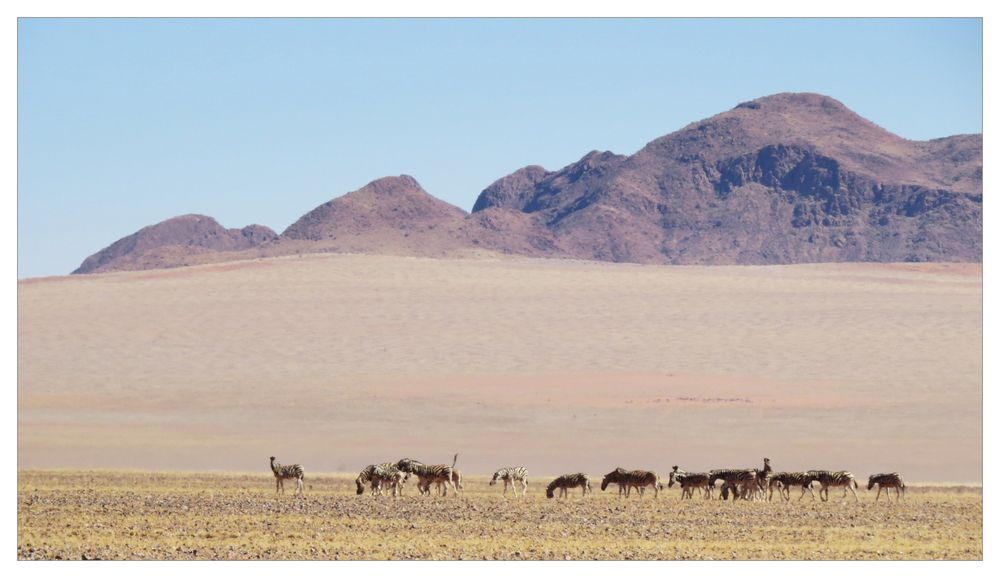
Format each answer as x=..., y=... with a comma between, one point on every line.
x=886, y=481
x=512, y=476
x=689, y=481
x=427, y=475
x=637, y=479
x=828, y=479
x=741, y=483
x=387, y=477
x=364, y=478
x=282, y=473
x=439, y=485
x=785, y=481
x=566, y=482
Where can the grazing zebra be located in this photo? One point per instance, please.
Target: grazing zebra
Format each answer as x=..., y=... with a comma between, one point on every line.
x=456, y=478
x=827, y=478
x=734, y=479
x=785, y=480
x=389, y=476
x=364, y=477
x=886, y=481
x=637, y=479
x=689, y=481
x=564, y=483
x=512, y=476
x=282, y=473
x=440, y=474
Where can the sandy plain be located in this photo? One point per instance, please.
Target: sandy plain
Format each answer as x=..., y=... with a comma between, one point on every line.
x=338, y=361
x=197, y=516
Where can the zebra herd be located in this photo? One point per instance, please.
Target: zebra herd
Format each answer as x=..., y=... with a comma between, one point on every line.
x=739, y=483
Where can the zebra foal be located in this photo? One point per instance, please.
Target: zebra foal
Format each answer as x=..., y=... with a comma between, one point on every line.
x=886, y=481
x=688, y=482
x=513, y=477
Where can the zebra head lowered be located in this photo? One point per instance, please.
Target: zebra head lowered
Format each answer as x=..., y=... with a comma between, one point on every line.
x=615, y=477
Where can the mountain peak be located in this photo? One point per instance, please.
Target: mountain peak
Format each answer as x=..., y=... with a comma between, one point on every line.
x=388, y=203
x=398, y=185
x=795, y=100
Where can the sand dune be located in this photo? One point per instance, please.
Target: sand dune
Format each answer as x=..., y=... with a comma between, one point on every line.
x=336, y=361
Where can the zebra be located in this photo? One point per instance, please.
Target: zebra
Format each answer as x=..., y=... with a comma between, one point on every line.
x=511, y=476
x=785, y=480
x=456, y=478
x=441, y=474
x=827, y=478
x=388, y=475
x=886, y=481
x=637, y=479
x=688, y=482
x=282, y=473
x=762, y=479
x=745, y=480
x=565, y=482
x=364, y=477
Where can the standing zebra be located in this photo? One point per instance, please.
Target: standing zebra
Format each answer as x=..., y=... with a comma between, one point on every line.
x=456, y=478
x=440, y=474
x=741, y=482
x=282, y=473
x=886, y=481
x=785, y=480
x=689, y=481
x=389, y=476
x=827, y=478
x=513, y=477
x=637, y=479
x=564, y=483
x=762, y=479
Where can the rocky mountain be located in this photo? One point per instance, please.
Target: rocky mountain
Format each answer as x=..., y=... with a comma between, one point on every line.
x=788, y=178
x=162, y=244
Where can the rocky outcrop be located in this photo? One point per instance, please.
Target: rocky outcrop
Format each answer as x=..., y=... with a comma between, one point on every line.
x=184, y=234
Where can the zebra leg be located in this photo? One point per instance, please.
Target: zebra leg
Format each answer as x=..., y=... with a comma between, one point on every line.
x=299, y=490
x=277, y=484
x=856, y=498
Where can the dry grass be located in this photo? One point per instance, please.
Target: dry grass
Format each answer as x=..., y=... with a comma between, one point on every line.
x=139, y=515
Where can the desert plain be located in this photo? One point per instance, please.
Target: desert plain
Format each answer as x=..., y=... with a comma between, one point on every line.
x=339, y=361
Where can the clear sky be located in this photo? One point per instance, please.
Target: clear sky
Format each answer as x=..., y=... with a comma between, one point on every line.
x=124, y=123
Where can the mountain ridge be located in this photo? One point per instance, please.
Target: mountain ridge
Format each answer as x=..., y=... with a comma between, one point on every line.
x=786, y=178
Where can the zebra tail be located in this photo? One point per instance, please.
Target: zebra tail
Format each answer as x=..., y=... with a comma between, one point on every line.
x=454, y=461
x=855, y=482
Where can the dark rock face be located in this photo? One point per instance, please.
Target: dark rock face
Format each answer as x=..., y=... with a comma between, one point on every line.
x=790, y=178
x=510, y=191
x=193, y=232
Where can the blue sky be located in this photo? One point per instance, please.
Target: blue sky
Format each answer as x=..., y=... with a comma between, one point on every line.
x=124, y=123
